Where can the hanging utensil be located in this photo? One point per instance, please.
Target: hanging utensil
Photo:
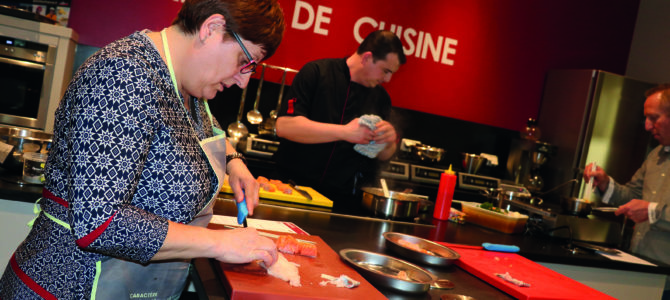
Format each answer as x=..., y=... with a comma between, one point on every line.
x=254, y=116
x=237, y=130
x=269, y=126
x=273, y=114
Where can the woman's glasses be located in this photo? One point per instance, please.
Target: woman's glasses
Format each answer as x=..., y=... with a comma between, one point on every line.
x=251, y=66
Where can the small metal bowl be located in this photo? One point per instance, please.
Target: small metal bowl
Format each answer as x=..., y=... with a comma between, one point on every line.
x=396, y=206
x=383, y=270
x=439, y=255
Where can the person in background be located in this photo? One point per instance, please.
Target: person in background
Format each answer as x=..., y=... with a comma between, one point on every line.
x=334, y=124
x=645, y=199
x=137, y=161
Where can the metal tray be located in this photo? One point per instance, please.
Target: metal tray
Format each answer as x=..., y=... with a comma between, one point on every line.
x=606, y=209
x=438, y=255
x=383, y=270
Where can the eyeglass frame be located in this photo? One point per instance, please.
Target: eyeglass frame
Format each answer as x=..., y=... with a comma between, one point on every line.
x=252, y=63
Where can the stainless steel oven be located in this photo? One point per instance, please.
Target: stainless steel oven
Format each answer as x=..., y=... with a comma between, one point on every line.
x=26, y=70
x=36, y=64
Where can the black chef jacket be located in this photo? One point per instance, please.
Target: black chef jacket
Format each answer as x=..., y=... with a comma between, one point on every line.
x=323, y=92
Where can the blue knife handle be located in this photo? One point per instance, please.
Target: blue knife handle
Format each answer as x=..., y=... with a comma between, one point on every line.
x=500, y=247
x=242, y=211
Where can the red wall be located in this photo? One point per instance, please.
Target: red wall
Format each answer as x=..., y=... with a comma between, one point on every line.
x=493, y=73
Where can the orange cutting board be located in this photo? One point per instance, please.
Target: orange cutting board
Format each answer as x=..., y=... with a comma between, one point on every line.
x=544, y=282
x=295, y=197
x=250, y=283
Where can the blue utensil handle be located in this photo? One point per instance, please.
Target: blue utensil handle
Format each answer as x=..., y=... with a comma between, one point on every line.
x=242, y=211
x=500, y=247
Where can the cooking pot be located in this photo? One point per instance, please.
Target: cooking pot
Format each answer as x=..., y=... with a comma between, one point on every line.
x=23, y=140
x=425, y=152
x=575, y=206
x=473, y=162
x=397, y=205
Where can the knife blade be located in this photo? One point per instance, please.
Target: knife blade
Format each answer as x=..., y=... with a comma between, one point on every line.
x=302, y=192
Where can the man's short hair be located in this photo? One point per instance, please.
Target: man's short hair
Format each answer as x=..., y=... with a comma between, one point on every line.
x=381, y=43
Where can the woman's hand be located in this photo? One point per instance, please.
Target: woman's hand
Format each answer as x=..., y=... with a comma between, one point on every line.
x=243, y=184
x=244, y=245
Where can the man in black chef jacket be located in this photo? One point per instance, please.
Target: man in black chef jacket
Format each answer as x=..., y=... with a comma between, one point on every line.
x=325, y=118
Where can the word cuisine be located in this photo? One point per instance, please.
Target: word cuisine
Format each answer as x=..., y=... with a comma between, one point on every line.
x=419, y=44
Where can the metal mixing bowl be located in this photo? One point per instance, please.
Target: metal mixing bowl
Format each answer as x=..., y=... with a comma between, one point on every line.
x=473, y=162
x=575, y=206
x=23, y=140
x=396, y=206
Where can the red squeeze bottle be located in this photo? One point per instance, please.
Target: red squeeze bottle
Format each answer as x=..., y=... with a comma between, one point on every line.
x=445, y=194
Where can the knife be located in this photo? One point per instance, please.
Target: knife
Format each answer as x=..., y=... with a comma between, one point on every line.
x=302, y=192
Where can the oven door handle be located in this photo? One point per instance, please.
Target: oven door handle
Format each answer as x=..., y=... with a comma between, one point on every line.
x=22, y=63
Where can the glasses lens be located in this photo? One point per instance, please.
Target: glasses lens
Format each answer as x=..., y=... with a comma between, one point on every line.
x=249, y=68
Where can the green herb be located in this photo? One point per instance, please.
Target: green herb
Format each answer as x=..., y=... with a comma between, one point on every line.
x=489, y=206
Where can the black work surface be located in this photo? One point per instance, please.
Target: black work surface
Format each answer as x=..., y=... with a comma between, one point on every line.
x=341, y=231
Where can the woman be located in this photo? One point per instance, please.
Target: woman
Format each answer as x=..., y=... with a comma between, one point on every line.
x=137, y=161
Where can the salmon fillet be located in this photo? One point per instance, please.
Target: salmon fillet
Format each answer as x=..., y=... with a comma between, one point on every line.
x=289, y=245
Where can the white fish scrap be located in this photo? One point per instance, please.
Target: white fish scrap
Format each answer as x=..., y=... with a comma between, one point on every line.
x=284, y=270
x=342, y=281
x=507, y=277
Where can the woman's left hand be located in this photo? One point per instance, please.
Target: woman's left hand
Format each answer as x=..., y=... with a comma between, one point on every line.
x=243, y=184
x=244, y=245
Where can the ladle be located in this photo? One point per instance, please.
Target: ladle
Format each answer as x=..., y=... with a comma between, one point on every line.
x=273, y=114
x=385, y=188
x=237, y=130
x=254, y=116
x=588, y=189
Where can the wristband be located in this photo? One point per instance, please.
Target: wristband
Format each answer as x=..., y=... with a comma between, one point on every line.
x=235, y=155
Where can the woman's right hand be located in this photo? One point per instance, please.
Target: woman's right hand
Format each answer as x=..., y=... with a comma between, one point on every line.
x=600, y=178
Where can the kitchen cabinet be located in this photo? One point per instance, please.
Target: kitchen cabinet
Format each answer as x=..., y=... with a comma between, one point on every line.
x=14, y=218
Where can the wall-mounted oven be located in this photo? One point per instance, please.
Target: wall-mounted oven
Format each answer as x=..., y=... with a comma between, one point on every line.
x=26, y=69
x=36, y=64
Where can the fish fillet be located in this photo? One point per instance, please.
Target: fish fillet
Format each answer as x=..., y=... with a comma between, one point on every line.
x=290, y=245
x=285, y=270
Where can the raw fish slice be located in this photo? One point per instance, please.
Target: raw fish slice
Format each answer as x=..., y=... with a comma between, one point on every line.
x=289, y=245
x=285, y=270
x=308, y=249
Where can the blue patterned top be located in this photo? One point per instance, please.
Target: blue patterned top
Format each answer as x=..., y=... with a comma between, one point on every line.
x=125, y=159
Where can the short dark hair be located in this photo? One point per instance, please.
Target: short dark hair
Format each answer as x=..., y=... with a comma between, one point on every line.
x=381, y=43
x=258, y=21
